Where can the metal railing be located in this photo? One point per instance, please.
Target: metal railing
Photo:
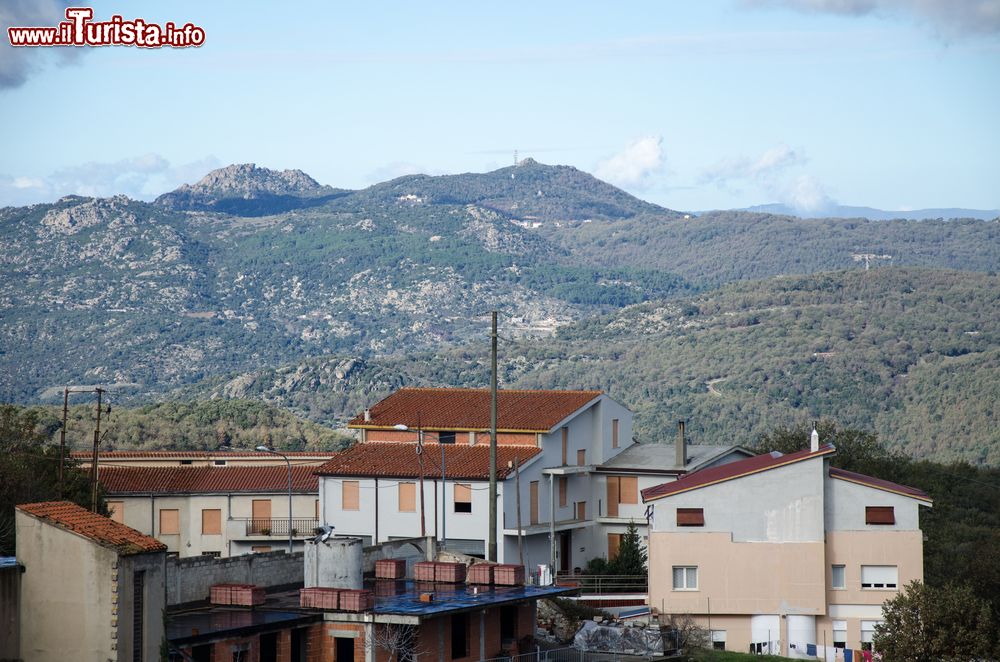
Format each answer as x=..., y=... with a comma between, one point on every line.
x=277, y=526
x=604, y=584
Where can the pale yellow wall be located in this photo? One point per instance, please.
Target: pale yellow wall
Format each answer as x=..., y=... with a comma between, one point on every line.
x=738, y=578
x=66, y=589
x=852, y=549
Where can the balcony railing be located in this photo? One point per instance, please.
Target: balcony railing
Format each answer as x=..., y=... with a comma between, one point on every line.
x=278, y=527
x=604, y=584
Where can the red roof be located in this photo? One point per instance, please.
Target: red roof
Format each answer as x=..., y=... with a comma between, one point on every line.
x=171, y=454
x=469, y=409
x=96, y=527
x=719, y=474
x=879, y=484
x=393, y=459
x=207, y=480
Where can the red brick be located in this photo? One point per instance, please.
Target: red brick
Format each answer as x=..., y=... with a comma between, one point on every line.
x=317, y=597
x=423, y=571
x=480, y=573
x=356, y=600
x=390, y=568
x=508, y=574
x=449, y=572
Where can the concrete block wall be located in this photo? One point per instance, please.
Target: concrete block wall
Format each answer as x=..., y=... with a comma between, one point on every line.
x=189, y=579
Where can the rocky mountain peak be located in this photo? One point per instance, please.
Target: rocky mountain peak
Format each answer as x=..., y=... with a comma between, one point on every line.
x=247, y=180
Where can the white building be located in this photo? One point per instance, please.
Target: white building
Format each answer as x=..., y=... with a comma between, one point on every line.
x=580, y=473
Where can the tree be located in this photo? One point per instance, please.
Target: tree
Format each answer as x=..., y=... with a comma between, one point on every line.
x=936, y=623
x=631, y=559
x=397, y=640
x=29, y=470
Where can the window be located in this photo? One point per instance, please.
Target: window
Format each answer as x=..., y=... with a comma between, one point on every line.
x=351, y=495
x=459, y=636
x=881, y=577
x=867, y=634
x=316, y=509
x=837, y=578
x=446, y=437
x=685, y=578
x=138, y=608
x=533, y=502
x=407, y=497
x=628, y=489
x=614, y=433
x=463, y=498
x=840, y=634
x=614, y=490
x=614, y=544
x=220, y=463
x=581, y=457
x=563, y=488
x=565, y=444
x=211, y=521
x=581, y=510
x=116, y=511
x=880, y=515
x=690, y=517
x=187, y=462
x=170, y=522
x=719, y=640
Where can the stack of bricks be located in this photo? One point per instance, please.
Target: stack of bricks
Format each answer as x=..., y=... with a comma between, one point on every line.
x=246, y=595
x=319, y=597
x=356, y=600
x=451, y=573
x=390, y=569
x=423, y=571
x=508, y=574
x=480, y=573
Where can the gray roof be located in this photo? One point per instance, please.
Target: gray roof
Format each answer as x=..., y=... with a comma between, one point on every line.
x=656, y=458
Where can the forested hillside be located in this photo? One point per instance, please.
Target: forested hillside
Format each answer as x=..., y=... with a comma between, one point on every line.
x=911, y=353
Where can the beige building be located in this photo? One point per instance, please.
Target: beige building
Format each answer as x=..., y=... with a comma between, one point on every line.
x=105, y=579
x=783, y=553
x=211, y=509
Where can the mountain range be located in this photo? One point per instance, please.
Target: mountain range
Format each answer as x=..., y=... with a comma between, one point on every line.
x=259, y=284
x=873, y=214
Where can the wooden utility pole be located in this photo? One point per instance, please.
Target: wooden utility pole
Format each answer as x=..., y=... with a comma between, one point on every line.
x=491, y=551
x=62, y=440
x=97, y=441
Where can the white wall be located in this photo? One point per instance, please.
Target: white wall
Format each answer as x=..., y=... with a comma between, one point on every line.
x=784, y=504
x=846, y=502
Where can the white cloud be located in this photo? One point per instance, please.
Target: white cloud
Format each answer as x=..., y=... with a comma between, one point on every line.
x=776, y=172
x=634, y=166
x=949, y=17
x=141, y=177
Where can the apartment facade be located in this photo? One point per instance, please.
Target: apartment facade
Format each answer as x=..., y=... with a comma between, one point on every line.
x=783, y=553
x=209, y=509
x=575, y=489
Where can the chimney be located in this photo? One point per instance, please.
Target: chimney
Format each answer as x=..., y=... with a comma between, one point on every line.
x=814, y=440
x=368, y=415
x=681, y=446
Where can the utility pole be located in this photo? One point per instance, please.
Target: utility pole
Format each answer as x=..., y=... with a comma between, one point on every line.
x=517, y=486
x=491, y=551
x=97, y=441
x=444, y=498
x=62, y=439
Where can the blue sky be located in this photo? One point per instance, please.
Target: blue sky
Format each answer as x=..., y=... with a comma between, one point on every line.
x=693, y=105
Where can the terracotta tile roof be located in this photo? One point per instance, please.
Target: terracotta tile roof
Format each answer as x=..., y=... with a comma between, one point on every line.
x=172, y=454
x=879, y=484
x=207, y=480
x=469, y=409
x=399, y=460
x=96, y=527
x=714, y=475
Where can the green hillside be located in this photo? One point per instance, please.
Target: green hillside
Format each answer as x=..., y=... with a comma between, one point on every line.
x=909, y=353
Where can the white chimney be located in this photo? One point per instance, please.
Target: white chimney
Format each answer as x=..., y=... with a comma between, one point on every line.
x=368, y=415
x=814, y=440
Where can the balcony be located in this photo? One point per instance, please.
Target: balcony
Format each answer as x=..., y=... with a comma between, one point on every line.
x=277, y=527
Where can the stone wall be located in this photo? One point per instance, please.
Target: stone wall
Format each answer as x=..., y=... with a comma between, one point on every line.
x=189, y=579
